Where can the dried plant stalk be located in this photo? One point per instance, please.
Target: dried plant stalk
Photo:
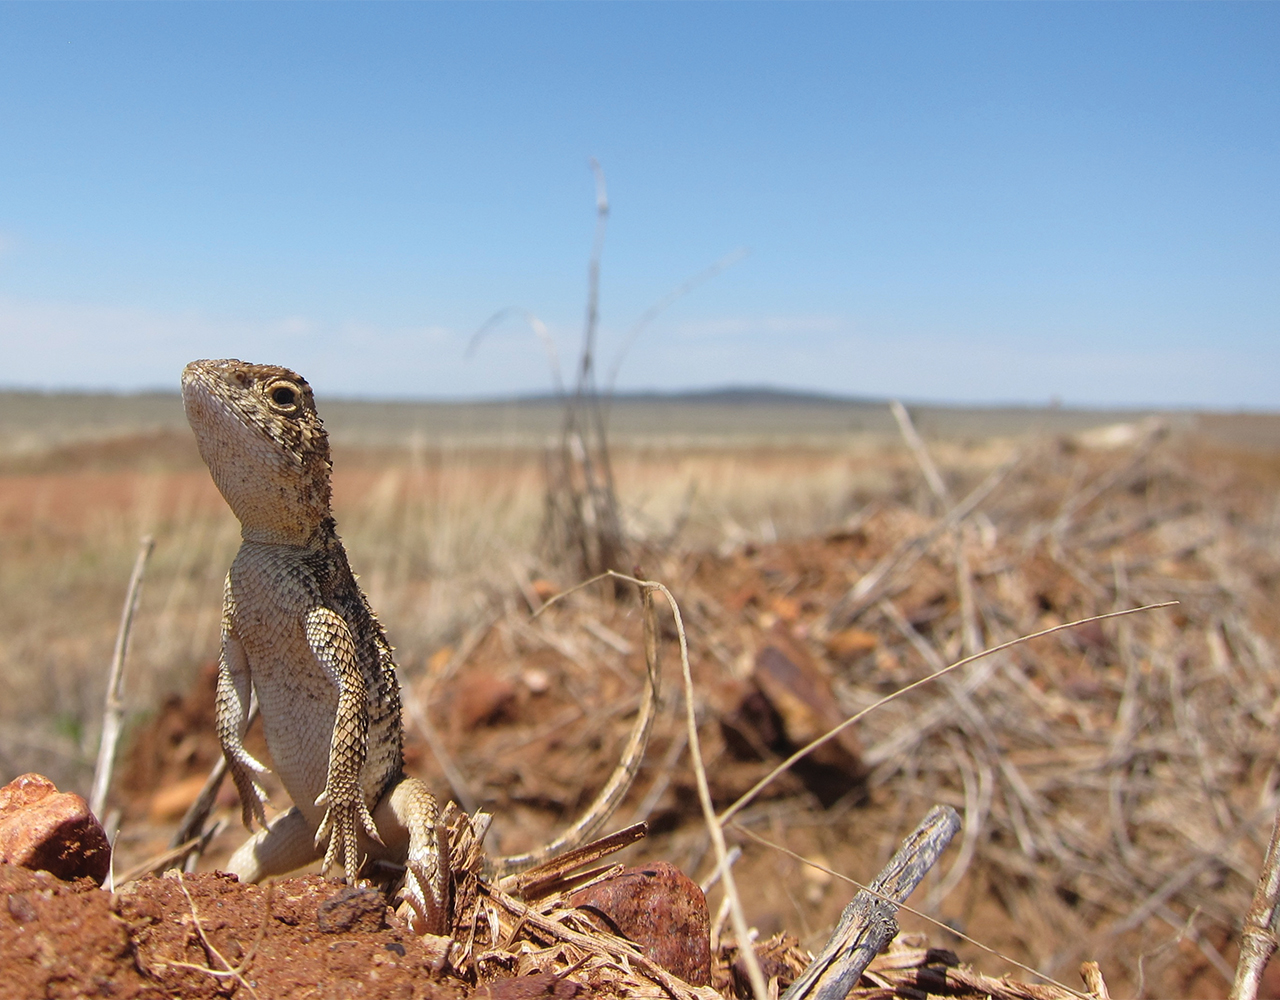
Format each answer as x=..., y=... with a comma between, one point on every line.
x=113, y=712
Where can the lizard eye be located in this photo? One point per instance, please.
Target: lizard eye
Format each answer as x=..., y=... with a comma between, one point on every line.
x=284, y=396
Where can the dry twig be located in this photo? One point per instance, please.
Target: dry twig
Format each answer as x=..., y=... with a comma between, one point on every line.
x=113, y=713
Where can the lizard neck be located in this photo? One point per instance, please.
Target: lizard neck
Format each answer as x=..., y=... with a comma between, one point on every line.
x=306, y=533
x=279, y=503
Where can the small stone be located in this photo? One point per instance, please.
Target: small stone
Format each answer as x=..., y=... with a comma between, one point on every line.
x=661, y=909
x=355, y=907
x=849, y=643
x=21, y=909
x=800, y=692
x=44, y=829
x=536, y=986
x=545, y=589
x=537, y=680
x=483, y=700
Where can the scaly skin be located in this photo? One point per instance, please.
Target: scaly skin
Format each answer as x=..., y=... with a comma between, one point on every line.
x=298, y=633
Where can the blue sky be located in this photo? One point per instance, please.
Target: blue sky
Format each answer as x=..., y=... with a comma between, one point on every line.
x=962, y=202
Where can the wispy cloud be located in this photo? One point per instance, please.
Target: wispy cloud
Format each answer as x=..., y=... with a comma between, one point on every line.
x=84, y=345
x=743, y=327
x=99, y=346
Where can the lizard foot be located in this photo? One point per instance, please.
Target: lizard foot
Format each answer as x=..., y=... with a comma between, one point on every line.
x=342, y=825
x=253, y=798
x=410, y=821
x=425, y=904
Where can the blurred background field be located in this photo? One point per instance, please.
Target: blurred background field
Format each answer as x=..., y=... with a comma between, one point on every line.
x=1116, y=786
x=434, y=500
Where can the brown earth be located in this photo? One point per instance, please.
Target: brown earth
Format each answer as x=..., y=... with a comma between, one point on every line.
x=180, y=936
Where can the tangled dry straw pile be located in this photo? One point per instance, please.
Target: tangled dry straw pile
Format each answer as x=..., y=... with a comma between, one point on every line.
x=1116, y=781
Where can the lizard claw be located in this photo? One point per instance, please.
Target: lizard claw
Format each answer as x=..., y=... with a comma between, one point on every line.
x=253, y=796
x=422, y=905
x=342, y=825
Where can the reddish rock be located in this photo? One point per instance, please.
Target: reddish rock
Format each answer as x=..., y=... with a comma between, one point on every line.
x=661, y=909
x=788, y=704
x=483, y=700
x=545, y=589
x=850, y=643
x=44, y=829
x=536, y=986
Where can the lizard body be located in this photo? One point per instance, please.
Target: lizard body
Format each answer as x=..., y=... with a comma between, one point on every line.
x=299, y=635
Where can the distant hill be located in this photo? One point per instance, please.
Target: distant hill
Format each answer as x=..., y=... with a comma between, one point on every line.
x=731, y=395
x=727, y=416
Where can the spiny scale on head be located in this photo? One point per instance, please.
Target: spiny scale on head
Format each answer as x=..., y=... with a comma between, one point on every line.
x=286, y=407
x=259, y=433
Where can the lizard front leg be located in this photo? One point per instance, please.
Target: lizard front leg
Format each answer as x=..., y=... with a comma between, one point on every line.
x=346, y=812
x=235, y=685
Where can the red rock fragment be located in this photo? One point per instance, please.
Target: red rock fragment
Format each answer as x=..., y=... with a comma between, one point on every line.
x=788, y=704
x=537, y=986
x=545, y=589
x=483, y=700
x=44, y=829
x=661, y=909
x=850, y=643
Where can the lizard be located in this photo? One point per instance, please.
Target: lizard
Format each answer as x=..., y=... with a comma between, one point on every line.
x=300, y=637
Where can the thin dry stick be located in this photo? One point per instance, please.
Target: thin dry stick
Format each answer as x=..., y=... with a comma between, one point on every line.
x=904, y=907
x=534, y=881
x=865, y=592
x=912, y=437
x=113, y=713
x=970, y=635
x=758, y=985
x=235, y=972
x=1258, y=936
x=755, y=789
x=867, y=923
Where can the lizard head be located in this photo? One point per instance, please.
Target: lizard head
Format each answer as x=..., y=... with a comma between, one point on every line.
x=266, y=448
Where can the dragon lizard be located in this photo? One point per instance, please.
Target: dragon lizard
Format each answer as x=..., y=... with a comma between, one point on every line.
x=299, y=635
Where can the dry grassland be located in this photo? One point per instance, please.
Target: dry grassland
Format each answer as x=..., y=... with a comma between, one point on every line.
x=433, y=523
